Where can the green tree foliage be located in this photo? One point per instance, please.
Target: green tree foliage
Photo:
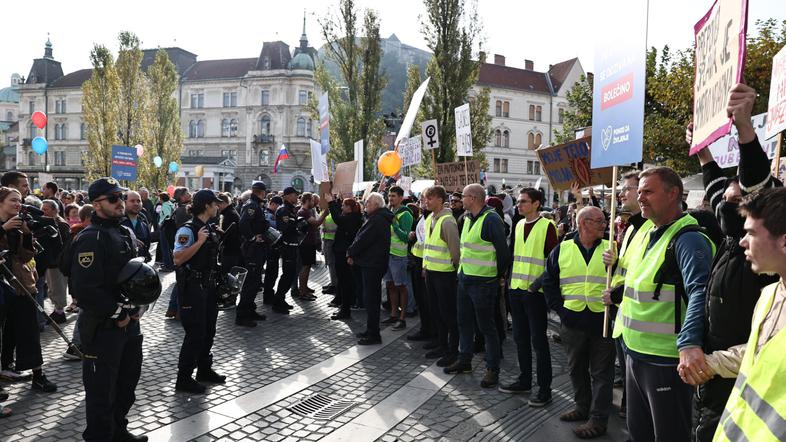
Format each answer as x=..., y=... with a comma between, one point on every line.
x=133, y=115
x=480, y=119
x=769, y=39
x=579, y=114
x=100, y=110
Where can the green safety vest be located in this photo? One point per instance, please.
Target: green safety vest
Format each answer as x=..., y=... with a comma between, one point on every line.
x=397, y=246
x=582, y=284
x=529, y=262
x=627, y=249
x=646, y=324
x=329, y=228
x=478, y=257
x=756, y=409
x=436, y=255
x=417, y=249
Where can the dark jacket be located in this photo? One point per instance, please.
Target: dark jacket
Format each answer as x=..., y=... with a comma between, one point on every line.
x=142, y=232
x=371, y=247
x=232, y=237
x=347, y=227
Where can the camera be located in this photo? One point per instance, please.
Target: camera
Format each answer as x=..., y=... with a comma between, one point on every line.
x=40, y=226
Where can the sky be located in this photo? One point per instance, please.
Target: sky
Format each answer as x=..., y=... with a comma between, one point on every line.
x=546, y=32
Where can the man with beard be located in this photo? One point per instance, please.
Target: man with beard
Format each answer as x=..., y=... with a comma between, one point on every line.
x=137, y=222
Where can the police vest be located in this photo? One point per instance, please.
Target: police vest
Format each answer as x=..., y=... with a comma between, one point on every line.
x=628, y=248
x=529, y=261
x=756, y=409
x=329, y=228
x=205, y=259
x=397, y=246
x=478, y=256
x=582, y=283
x=436, y=255
x=645, y=321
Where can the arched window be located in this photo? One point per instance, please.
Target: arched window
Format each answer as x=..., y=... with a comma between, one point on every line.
x=233, y=128
x=561, y=113
x=506, y=109
x=531, y=111
x=82, y=131
x=531, y=141
x=264, y=157
x=200, y=132
x=497, y=138
x=301, y=127
x=498, y=109
x=506, y=139
x=538, y=140
x=308, y=128
x=264, y=125
x=192, y=132
x=225, y=127
x=63, y=131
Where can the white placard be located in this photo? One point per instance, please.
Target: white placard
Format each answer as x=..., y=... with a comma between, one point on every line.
x=463, y=131
x=44, y=178
x=411, y=151
x=359, y=158
x=430, y=134
x=414, y=105
x=318, y=163
x=726, y=150
x=405, y=182
x=777, y=106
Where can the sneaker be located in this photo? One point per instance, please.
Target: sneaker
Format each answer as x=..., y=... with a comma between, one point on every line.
x=400, y=325
x=71, y=354
x=41, y=383
x=515, y=388
x=211, y=376
x=390, y=320
x=446, y=361
x=187, y=384
x=542, y=399
x=458, y=367
x=11, y=375
x=490, y=379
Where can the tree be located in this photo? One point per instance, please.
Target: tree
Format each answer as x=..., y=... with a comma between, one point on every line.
x=758, y=62
x=451, y=33
x=100, y=110
x=164, y=137
x=133, y=114
x=579, y=113
x=480, y=120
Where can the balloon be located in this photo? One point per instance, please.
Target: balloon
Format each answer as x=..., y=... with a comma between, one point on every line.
x=389, y=163
x=173, y=167
x=158, y=161
x=170, y=190
x=39, y=119
x=40, y=145
x=139, y=150
x=199, y=170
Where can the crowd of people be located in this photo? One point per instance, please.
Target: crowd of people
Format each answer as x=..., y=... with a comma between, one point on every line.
x=674, y=304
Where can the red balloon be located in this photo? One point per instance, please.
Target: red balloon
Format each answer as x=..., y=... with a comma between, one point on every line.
x=170, y=189
x=39, y=119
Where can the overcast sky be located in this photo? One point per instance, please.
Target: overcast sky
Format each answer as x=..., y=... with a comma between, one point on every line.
x=544, y=31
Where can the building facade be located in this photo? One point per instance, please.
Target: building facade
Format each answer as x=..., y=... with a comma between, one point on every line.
x=526, y=107
x=236, y=114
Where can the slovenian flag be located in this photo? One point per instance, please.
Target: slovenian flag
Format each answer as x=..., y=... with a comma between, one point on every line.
x=282, y=155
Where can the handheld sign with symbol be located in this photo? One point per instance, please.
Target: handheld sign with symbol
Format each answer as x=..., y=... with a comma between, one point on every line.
x=463, y=131
x=430, y=135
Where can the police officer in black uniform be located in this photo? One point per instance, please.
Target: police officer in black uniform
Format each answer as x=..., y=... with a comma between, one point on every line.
x=196, y=258
x=109, y=329
x=286, y=221
x=255, y=249
x=271, y=266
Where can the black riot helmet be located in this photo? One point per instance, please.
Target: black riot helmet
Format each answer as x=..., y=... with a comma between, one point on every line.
x=139, y=282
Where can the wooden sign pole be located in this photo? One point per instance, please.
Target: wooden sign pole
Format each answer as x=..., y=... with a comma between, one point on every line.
x=612, y=246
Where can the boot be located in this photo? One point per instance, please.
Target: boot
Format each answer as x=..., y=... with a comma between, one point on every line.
x=186, y=383
x=208, y=375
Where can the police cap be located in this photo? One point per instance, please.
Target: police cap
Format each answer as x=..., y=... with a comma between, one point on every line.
x=258, y=185
x=104, y=186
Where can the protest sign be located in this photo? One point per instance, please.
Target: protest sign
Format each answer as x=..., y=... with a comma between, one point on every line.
x=318, y=163
x=726, y=150
x=781, y=174
x=618, y=94
x=124, y=162
x=324, y=189
x=324, y=123
x=567, y=163
x=695, y=198
x=410, y=151
x=412, y=111
x=720, y=57
x=453, y=178
x=44, y=178
x=463, y=131
x=776, y=109
x=405, y=182
x=358, y=156
x=430, y=135
x=344, y=178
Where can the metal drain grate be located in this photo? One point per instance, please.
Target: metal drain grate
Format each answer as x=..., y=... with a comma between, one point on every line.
x=322, y=407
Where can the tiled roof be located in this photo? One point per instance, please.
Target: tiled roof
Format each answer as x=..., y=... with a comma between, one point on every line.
x=277, y=53
x=218, y=69
x=513, y=78
x=74, y=79
x=560, y=71
x=180, y=57
x=44, y=70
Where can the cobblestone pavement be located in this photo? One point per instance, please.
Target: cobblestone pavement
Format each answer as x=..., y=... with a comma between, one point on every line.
x=278, y=348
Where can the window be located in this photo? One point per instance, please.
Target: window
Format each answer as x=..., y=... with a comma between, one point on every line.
x=200, y=132
x=63, y=134
x=264, y=125
x=60, y=158
x=498, y=109
x=530, y=140
x=31, y=105
x=506, y=109
x=60, y=131
x=265, y=62
x=195, y=153
x=192, y=133
x=302, y=98
x=561, y=115
x=57, y=106
x=31, y=158
x=504, y=166
x=506, y=139
x=538, y=113
x=308, y=128
x=82, y=133
x=497, y=138
x=496, y=165
x=538, y=140
x=230, y=99
x=264, y=157
x=225, y=127
x=60, y=106
x=229, y=153
x=233, y=127
x=530, y=167
x=536, y=169
x=265, y=98
x=9, y=116
x=301, y=127
x=197, y=101
x=531, y=111
x=33, y=130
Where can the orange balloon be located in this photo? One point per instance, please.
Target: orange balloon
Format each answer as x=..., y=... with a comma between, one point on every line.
x=389, y=163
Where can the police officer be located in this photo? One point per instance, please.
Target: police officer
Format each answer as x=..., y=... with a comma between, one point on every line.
x=286, y=221
x=110, y=334
x=196, y=258
x=271, y=267
x=253, y=225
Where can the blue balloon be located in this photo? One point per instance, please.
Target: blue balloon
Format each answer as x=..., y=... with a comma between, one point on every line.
x=173, y=167
x=158, y=161
x=40, y=145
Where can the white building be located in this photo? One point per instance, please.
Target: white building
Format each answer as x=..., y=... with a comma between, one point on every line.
x=526, y=106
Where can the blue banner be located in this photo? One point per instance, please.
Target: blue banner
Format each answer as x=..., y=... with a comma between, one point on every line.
x=124, y=163
x=618, y=92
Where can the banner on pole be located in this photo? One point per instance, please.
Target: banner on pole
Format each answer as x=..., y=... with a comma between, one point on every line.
x=411, y=151
x=430, y=134
x=567, y=163
x=453, y=177
x=124, y=163
x=720, y=57
x=344, y=178
x=412, y=111
x=776, y=110
x=324, y=123
x=319, y=169
x=359, y=158
x=726, y=150
x=463, y=131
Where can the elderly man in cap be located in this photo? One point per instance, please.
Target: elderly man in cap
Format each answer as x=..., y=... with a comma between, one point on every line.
x=253, y=225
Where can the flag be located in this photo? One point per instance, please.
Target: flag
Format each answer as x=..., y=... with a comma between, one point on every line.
x=282, y=155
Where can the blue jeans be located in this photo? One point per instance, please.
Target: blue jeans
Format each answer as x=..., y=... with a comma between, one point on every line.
x=530, y=320
x=477, y=301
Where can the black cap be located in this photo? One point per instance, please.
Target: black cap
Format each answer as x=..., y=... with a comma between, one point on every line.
x=205, y=196
x=289, y=190
x=104, y=186
x=277, y=200
x=258, y=185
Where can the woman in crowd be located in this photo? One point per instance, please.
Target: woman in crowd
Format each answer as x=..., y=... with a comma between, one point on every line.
x=72, y=214
x=348, y=220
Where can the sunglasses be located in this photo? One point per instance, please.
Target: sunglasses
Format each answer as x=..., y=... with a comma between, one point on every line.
x=113, y=198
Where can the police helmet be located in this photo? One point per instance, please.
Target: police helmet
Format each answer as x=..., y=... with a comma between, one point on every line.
x=139, y=282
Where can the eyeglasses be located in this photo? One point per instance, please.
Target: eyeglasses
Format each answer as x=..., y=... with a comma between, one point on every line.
x=113, y=198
